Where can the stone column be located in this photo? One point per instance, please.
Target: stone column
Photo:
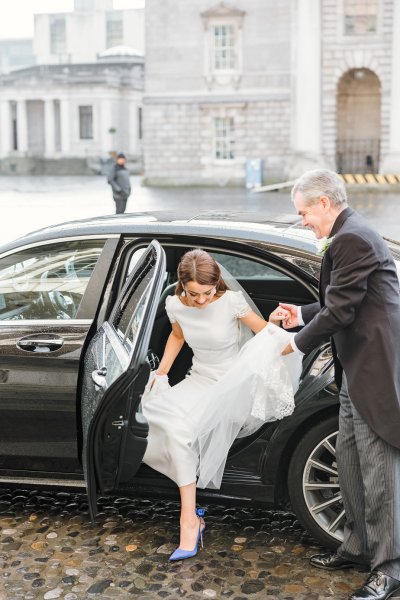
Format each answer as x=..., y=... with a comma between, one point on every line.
x=49, y=129
x=65, y=127
x=391, y=162
x=22, y=126
x=5, y=128
x=306, y=116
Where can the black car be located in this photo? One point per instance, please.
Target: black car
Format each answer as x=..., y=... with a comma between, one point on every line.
x=82, y=322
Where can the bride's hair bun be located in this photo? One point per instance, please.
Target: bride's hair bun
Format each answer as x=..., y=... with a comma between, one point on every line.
x=199, y=266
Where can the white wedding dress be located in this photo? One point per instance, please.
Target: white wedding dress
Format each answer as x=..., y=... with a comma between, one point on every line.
x=229, y=392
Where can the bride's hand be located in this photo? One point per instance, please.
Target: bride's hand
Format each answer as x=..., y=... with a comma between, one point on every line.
x=159, y=374
x=278, y=316
x=154, y=375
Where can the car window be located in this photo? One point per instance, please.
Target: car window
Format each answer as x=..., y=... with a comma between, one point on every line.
x=129, y=315
x=243, y=268
x=47, y=282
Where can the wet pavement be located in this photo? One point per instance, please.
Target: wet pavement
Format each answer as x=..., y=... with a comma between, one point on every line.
x=29, y=203
x=50, y=549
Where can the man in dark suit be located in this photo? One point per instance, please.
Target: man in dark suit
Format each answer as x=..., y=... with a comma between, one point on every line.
x=359, y=310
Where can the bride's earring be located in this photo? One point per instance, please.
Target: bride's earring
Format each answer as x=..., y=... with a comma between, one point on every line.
x=183, y=293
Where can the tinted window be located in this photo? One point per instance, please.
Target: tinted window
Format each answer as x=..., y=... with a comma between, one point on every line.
x=47, y=282
x=243, y=268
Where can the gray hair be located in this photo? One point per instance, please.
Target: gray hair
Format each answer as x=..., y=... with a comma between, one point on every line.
x=321, y=182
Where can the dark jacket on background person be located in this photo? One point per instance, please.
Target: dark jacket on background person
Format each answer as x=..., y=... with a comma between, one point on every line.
x=120, y=183
x=359, y=308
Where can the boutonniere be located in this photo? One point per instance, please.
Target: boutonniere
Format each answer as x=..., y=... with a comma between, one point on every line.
x=323, y=244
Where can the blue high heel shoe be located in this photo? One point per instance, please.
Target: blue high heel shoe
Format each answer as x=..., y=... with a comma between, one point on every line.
x=180, y=554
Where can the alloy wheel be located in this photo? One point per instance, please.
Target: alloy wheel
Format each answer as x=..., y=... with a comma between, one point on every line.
x=321, y=488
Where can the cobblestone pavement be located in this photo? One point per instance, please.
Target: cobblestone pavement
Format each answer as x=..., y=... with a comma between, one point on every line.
x=48, y=546
x=49, y=549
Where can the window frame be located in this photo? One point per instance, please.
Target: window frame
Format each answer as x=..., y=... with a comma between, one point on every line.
x=228, y=142
x=232, y=47
x=54, y=321
x=113, y=18
x=86, y=121
x=218, y=17
x=229, y=247
x=357, y=38
x=346, y=15
x=53, y=41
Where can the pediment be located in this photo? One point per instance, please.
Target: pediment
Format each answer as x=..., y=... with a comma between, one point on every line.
x=223, y=10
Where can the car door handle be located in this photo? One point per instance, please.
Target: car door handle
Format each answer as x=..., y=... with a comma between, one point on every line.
x=99, y=377
x=40, y=344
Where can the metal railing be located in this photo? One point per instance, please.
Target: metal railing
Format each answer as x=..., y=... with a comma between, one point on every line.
x=357, y=156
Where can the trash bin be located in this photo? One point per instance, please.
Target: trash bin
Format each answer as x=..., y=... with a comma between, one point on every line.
x=254, y=172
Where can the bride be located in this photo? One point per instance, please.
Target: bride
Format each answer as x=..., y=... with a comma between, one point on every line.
x=230, y=391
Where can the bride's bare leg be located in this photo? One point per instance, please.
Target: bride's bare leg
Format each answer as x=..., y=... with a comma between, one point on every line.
x=189, y=520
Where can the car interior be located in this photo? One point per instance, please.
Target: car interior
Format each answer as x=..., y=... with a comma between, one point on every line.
x=266, y=284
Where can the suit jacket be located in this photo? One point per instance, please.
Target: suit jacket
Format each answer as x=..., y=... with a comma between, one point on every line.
x=359, y=309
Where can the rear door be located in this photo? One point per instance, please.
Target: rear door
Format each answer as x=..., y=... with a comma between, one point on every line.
x=115, y=374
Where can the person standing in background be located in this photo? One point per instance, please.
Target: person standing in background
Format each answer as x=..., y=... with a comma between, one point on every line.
x=120, y=183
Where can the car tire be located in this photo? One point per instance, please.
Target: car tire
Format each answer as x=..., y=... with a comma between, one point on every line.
x=313, y=484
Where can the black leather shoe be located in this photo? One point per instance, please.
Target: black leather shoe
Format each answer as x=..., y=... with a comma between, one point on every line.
x=377, y=587
x=332, y=562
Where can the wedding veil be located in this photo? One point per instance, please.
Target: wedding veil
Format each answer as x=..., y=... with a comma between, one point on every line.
x=258, y=388
x=245, y=334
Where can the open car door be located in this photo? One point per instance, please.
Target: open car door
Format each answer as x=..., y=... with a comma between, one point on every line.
x=115, y=374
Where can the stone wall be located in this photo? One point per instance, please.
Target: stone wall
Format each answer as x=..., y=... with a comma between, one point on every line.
x=179, y=150
x=341, y=53
x=180, y=104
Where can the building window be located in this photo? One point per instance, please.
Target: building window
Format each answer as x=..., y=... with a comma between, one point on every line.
x=223, y=44
x=86, y=122
x=224, y=47
x=360, y=17
x=58, y=35
x=114, y=29
x=224, y=138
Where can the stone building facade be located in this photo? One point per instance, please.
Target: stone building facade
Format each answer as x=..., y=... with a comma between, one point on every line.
x=82, y=101
x=90, y=29
x=67, y=119
x=296, y=83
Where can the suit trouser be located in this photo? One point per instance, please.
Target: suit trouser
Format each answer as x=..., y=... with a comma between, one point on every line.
x=369, y=474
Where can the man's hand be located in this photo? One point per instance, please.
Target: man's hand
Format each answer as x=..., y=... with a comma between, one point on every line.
x=290, y=320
